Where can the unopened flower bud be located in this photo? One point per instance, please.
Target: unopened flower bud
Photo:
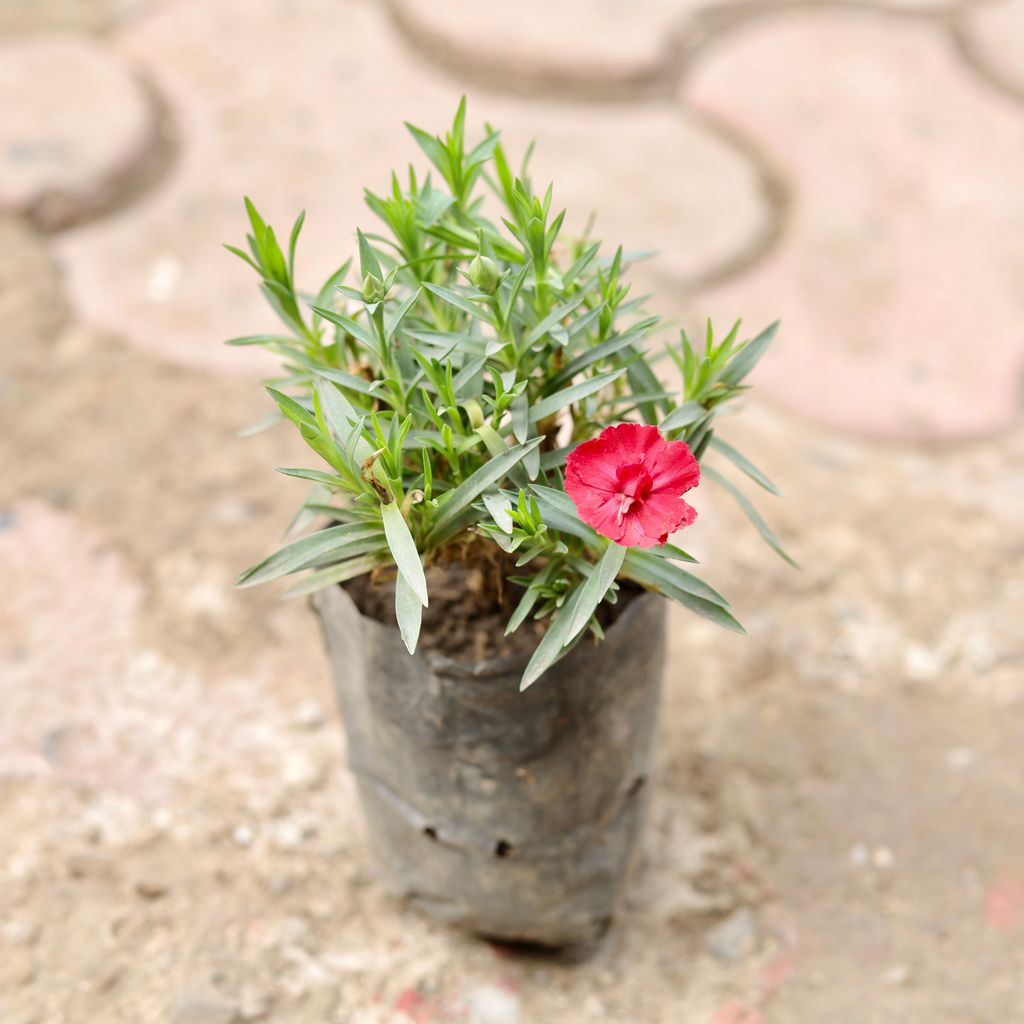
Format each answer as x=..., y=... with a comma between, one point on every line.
x=484, y=274
x=373, y=288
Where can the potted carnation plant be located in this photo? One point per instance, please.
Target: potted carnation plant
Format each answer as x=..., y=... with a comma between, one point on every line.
x=499, y=473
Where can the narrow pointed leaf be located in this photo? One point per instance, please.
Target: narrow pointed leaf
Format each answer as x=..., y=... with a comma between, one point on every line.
x=687, y=413
x=409, y=612
x=553, y=644
x=403, y=550
x=593, y=592
x=747, y=358
x=458, y=500
x=742, y=463
x=302, y=553
x=766, y=532
x=574, y=393
x=333, y=575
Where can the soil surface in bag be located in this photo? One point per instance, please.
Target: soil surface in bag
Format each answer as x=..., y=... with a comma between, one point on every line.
x=471, y=602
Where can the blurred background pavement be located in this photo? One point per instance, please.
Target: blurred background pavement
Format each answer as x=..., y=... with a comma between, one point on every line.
x=836, y=830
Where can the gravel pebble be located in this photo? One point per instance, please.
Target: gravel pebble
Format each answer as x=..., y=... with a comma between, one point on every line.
x=735, y=937
x=203, y=1008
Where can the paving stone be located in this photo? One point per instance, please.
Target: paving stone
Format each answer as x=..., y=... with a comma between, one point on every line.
x=601, y=44
x=591, y=47
x=281, y=110
x=654, y=181
x=994, y=34
x=311, y=131
x=71, y=15
x=74, y=124
x=892, y=322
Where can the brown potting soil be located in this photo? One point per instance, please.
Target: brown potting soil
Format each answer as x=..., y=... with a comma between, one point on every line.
x=471, y=602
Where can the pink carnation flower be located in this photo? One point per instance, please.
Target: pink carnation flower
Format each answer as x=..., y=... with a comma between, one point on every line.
x=628, y=481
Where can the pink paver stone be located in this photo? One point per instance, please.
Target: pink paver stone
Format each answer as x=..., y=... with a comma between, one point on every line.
x=597, y=42
x=994, y=33
x=603, y=47
x=73, y=137
x=655, y=180
x=285, y=108
x=892, y=325
x=305, y=124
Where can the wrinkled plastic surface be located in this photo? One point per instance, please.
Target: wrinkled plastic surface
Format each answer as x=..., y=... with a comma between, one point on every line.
x=513, y=815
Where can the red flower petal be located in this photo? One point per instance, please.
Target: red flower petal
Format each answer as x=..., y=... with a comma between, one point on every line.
x=675, y=469
x=627, y=483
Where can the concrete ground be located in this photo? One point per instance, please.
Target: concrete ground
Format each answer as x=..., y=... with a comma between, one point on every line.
x=836, y=831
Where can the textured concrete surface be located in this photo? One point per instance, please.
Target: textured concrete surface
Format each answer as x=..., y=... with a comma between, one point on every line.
x=832, y=835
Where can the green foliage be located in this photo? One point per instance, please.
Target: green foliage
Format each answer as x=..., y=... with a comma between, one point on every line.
x=443, y=385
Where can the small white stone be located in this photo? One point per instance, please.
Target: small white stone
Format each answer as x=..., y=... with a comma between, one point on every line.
x=860, y=855
x=309, y=715
x=163, y=280
x=897, y=976
x=300, y=771
x=489, y=1004
x=162, y=819
x=961, y=758
x=243, y=835
x=882, y=858
x=289, y=833
x=21, y=932
x=922, y=663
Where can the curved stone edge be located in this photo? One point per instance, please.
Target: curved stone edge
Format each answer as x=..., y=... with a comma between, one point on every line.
x=972, y=52
x=141, y=172
x=690, y=32
x=532, y=78
x=737, y=16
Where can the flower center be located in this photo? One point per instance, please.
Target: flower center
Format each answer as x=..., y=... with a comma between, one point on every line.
x=635, y=486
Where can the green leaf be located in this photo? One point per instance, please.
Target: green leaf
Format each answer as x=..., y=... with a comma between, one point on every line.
x=403, y=550
x=748, y=356
x=341, y=417
x=459, y=302
x=552, y=646
x=409, y=612
x=317, y=476
x=640, y=572
x=554, y=317
x=293, y=241
x=346, y=380
x=663, y=569
x=683, y=416
x=262, y=339
x=766, y=532
x=399, y=315
x=458, y=500
x=742, y=463
x=333, y=575
x=263, y=423
x=596, y=354
x=367, y=260
x=306, y=515
x=294, y=410
x=593, y=592
x=643, y=381
x=498, y=506
x=300, y=554
x=574, y=393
